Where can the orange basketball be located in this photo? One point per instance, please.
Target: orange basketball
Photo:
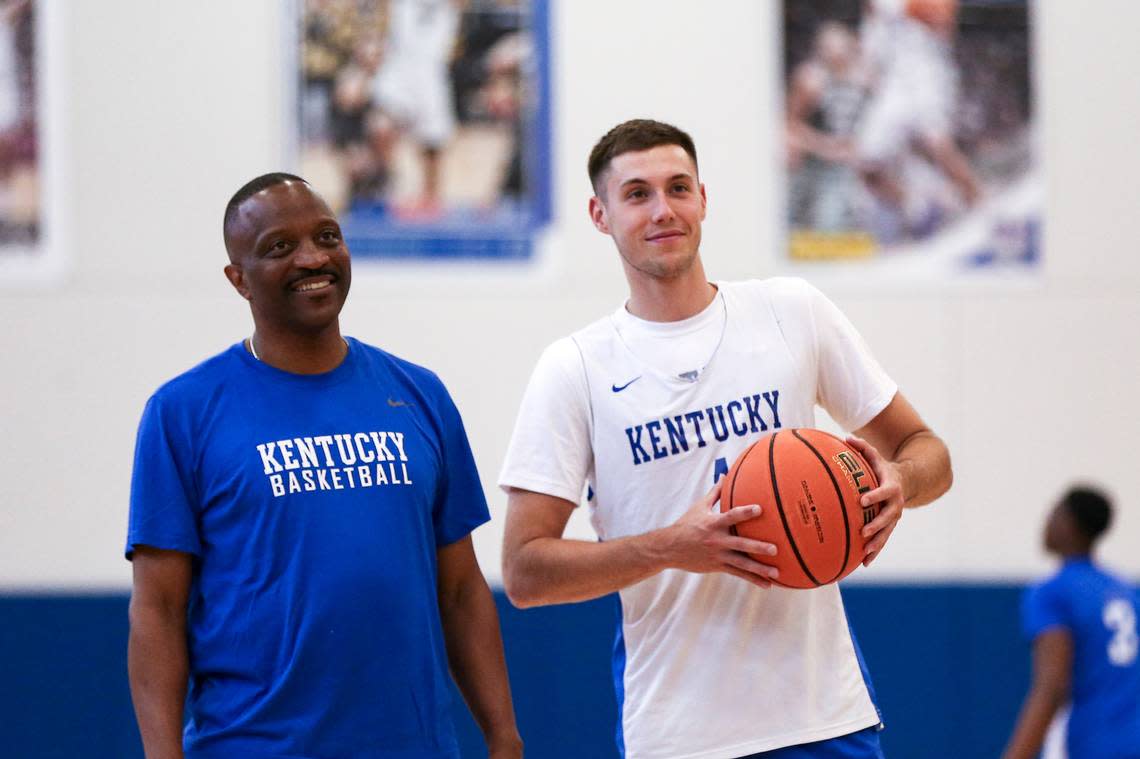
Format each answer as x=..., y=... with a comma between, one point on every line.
x=808, y=483
x=936, y=13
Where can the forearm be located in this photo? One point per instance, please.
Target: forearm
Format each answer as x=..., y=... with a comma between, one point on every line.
x=1032, y=725
x=551, y=570
x=924, y=464
x=158, y=668
x=475, y=653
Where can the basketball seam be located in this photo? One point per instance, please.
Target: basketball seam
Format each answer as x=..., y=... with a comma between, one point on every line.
x=732, y=485
x=780, y=510
x=842, y=504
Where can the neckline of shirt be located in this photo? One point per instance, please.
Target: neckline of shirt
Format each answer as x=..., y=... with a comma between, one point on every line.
x=341, y=372
x=624, y=320
x=718, y=307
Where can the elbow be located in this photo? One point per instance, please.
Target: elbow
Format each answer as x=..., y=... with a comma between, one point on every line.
x=521, y=600
x=947, y=477
x=519, y=591
x=520, y=585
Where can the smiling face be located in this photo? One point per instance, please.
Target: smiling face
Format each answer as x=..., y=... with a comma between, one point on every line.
x=652, y=203
x=288, y=259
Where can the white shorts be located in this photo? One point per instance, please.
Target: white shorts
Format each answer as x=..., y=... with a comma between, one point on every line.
x=417, y=95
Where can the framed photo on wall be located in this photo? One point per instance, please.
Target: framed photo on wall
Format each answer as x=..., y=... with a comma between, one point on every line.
x=426, y=123
x=910, y=141
x=30, y=192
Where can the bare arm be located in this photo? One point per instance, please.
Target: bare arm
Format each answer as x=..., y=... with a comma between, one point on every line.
x=475, y=647
x=157, y=659
x=1052, y=672
x=911, y=463
x=541, y=567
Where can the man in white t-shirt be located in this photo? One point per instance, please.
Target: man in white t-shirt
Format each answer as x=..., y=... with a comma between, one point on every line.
x=645, y=410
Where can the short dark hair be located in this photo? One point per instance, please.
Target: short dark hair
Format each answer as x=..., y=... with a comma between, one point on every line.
x=634, y=135
x=1090, y=508
x=251, y=188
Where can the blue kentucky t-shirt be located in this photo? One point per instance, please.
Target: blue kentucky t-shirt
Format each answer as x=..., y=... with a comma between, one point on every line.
x=313, y=506
x=1100, y=613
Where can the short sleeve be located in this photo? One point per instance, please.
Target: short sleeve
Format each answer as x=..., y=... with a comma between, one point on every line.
x=550, y=449
x=163, y=497
x=852, y=386
x=460, y=505
x=1042, y=608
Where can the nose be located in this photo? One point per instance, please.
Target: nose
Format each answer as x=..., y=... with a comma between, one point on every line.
x=310, y=256
x=662, y=211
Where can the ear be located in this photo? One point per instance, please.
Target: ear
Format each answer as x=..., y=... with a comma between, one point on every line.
x=704, y=200
x=236, y=276
x=598, y=215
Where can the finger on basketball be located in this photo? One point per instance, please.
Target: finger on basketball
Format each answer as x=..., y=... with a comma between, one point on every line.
x=759, y=582
x=885, y=519
x=878, y=495
x=750, y=565
x=867, y=450
x=749, y=546
x=739, y=514
x=876, y=543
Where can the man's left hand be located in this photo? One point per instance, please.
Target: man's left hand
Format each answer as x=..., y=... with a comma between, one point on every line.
x=889, y=494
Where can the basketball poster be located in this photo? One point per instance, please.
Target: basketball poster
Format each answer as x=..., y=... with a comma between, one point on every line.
x=426, y=123
x=28, y=150
x=910, y=144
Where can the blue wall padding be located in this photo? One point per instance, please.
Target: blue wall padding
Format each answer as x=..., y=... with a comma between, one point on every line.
x=947, y=661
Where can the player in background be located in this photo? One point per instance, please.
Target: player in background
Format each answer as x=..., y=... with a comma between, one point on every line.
x=1083, y=624
x=908, y=45
x=301, y=510
x=413, y=92
x=826, y=93
x=648, y=407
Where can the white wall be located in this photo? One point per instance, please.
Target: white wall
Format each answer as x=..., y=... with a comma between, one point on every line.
x=168, y=107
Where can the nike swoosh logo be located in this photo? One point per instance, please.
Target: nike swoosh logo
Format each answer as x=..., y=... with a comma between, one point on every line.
x=618, y=389
x=396, y=404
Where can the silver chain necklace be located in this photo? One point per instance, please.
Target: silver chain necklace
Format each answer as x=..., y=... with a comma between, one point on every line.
x=253, y=351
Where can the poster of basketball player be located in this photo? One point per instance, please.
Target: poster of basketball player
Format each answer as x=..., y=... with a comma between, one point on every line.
x=426, y=123
x=22, y=253
x=909, y=135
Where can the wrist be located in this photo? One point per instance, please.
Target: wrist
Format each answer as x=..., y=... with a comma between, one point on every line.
x=655, y=549
x=902, y=473
x=505, y=741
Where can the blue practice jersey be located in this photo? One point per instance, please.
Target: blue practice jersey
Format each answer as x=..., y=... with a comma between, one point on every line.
x=313, y=506
x=1100, y=613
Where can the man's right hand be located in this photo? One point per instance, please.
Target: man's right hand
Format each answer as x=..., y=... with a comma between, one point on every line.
x=702, y=541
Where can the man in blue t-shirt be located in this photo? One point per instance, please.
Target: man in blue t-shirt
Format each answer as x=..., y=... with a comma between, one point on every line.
x=301, y=510
x=1082, y=622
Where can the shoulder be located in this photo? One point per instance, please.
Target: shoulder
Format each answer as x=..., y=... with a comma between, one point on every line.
x=199, y=382
x=598, y=332
x=774, y=289
x=562, y=362
x=785, y=297
x=1049, y=590
x=406, y=372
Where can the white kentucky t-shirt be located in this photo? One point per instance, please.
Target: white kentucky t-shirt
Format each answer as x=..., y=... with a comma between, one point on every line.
x=707, y=665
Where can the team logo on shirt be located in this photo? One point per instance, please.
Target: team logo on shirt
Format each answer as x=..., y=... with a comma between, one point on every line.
x=674, y=435
x=335, y=462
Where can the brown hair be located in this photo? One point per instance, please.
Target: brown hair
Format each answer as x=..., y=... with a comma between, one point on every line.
x=634, y=135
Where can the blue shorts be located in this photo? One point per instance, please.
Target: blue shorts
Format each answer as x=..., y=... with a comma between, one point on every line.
x=861, y=745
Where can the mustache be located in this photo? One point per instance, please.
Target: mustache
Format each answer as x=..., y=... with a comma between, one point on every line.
x=309, y=273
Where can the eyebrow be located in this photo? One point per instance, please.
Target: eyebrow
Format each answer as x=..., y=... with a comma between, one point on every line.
x=639, y=180
x=284, y=229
